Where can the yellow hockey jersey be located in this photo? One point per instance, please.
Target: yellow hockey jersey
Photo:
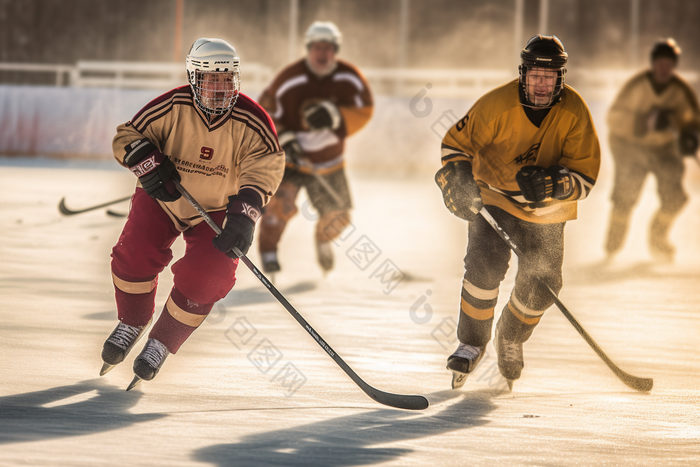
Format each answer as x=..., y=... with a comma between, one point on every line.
x=498, y=138
x=638, y=103
x=215, y=159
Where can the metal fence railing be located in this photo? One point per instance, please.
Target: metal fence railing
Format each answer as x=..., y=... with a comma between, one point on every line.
x=448, y=83
x=61, y=72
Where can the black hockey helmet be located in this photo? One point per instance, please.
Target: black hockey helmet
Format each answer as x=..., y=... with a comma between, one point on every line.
x=543, y=51
x=667, y=48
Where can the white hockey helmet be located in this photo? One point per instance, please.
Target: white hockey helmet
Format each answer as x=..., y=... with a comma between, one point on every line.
x=323, y=31
x=214, y=74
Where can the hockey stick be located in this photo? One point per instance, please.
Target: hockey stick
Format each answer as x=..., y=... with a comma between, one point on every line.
x=115, y=213
x=323, y=182
x=69, y=212
x=635, y=382
x=400, y=401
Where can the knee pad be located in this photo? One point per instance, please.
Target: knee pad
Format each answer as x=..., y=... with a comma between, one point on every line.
x=674, y=204
x=281, y=207
x=331, y=225
x=535, y=295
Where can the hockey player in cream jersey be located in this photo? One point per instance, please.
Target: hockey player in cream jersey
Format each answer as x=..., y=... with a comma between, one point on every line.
x=527, y=150
x=223, y=148
x=653, y=111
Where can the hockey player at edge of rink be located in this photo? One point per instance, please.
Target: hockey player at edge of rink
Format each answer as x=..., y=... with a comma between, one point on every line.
x=528, y=152
x=654, y=122
x=223, y=148
x=316, y=103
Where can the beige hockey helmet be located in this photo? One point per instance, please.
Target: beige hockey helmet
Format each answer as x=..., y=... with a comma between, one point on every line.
x=323, y=31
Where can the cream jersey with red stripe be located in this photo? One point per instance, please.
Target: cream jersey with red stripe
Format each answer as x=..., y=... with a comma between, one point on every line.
x=215, y=159
x=498, y=138
x=630, y=113
x=296, y=88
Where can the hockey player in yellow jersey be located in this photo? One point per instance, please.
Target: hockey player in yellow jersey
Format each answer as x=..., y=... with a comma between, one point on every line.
x=223, y=148
x=527, y=152
x=653, y=112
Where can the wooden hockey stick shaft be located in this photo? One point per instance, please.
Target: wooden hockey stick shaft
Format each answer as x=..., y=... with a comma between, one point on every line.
x=324, y=183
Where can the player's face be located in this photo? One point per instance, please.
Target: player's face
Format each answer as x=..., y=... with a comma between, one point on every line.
x=540, y=83
x=321, y=56
x=216, y=89
x=662, y=69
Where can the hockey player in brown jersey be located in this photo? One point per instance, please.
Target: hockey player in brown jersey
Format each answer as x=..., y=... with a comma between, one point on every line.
x=223, y=148
x=653, y=112
x=316, y=103
x=529, y=152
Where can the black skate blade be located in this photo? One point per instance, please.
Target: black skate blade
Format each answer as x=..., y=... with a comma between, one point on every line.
x=106, y=368
x=134, y=382
x=458, y=379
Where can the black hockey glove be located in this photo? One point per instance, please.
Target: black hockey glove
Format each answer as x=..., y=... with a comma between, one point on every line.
x=154, y=169
x=237, y=232
x=292, y=150
x=538, y=184
x=460, y=192
x=688, y=142
x=322, y=116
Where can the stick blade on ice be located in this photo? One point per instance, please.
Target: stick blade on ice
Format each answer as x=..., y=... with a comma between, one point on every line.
x=63, y=209
x=399, y=401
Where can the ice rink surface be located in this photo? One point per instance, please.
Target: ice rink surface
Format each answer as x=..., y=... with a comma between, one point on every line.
x=251, y=387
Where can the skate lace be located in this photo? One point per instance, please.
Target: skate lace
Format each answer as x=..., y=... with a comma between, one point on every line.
x=124, y=335
x=468, y=352
x=154, y=353
x=511, y=351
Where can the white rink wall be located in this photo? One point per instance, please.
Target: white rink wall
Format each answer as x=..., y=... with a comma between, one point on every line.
x=64, y=122
x=403, y=136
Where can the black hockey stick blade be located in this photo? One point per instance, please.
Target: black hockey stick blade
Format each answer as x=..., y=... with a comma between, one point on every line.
x=115, y=213
x=70, y=212
x=634, y=382
x=399, y=401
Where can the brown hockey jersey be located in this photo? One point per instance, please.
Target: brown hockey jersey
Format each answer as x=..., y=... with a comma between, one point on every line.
x=215, y=159
x=296, y=88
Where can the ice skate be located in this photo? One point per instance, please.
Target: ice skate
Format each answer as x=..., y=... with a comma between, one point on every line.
x=659, y=246
x=662, y=251
x=462, y=362
x=325, y=256
x=149, y=362
x=510, y=358
x=270, y=264
x=119, y=344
